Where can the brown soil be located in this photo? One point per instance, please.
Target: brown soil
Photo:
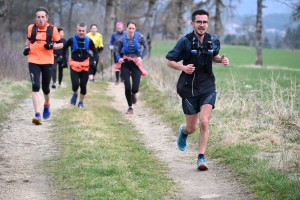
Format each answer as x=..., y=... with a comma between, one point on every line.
x=216, y=183
x=24, y=147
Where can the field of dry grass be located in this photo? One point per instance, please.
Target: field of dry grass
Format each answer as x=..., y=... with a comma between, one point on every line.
x=255, y=106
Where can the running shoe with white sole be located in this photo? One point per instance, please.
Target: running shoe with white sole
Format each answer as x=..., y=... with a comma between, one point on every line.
x=201, y=163
x=74, y=99
x=181, y=140
x=37, y=120
x=130, y=110
x=80, y=104
x=46, y=112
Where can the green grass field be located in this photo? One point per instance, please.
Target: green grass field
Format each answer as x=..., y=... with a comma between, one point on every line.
x=241, y=55
x=101, y=158
x=255, y=128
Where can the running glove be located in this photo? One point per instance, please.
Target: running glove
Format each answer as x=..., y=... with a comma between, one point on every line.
x=26, y=51
x=64, y=62
x=92, y=63
x=59, y=59
x=48, y=46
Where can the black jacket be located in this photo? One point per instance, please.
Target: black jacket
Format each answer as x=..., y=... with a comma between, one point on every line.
x=202, y=80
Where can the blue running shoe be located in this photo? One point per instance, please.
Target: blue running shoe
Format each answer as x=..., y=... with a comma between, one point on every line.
x=37, y=120
x=46, y=112
x=201, y=163
x=80, y=104
x=181, y=140
x=74, y=99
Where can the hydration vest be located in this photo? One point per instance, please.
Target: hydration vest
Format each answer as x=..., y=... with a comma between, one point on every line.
x=49, y=33
x=212, y=44
x=135, y=43
x=86, y=43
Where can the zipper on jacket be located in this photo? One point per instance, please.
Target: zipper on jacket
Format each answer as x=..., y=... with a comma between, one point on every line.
x=193, y=84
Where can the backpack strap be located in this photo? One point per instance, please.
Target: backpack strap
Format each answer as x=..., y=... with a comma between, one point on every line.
x=75, y=43
x=33, y=34
x=49, y=33
x=135, y=43
x=86, y=43
x=125, y=44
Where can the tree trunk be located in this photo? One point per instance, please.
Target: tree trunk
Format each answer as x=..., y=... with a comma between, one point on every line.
x=110, y=19
x=59, y=12
x=3, y=16
x=218, y=22
x=258, y=42
x=117, y=10
x=179, y=4
x=148, y=18
x=50, y=7
x=70, y=16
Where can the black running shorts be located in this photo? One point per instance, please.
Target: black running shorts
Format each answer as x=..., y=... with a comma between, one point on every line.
x=192, y=105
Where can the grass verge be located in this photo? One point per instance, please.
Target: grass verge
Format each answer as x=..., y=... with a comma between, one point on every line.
x=240, y=156
x=11, y=92
x=102, y=156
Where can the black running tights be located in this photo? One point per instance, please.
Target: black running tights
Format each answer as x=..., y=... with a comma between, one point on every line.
x=79, y=79
x=128, y=68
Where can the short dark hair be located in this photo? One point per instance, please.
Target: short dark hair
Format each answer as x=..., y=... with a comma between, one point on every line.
x=199, y=12
x=59, y=29
x=81, y=25
x=131, y=22
x=93, y=25
x=41, y=8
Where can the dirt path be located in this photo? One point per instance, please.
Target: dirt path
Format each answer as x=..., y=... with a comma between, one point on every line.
x=216, y=183
x=23, y=148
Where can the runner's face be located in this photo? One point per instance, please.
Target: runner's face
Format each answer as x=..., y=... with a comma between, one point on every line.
x=120, y=29
x=62, y=34
x=41, y=18
x=200, y=24
x=81, y=31
x=131, y=29
x=94, y=30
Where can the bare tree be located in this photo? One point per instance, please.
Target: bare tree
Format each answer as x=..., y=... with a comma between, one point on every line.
x=296, y=11
x=3, y=16
x=173, y=22
x=51, y=8
x=149, y=18
x=180, y=8
x=72, y=4
x=217, y=7
x=295, y=6
x=258, y=43
x=218, y=27
x=110, y=19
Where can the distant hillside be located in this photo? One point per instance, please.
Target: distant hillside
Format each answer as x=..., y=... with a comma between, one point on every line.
x=278, y=21
x=275, y=21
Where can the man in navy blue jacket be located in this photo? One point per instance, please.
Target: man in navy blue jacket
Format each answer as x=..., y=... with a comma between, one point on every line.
x=196, y=84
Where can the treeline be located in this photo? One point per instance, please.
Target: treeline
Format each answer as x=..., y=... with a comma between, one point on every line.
x=164, y=19
x=291, y=40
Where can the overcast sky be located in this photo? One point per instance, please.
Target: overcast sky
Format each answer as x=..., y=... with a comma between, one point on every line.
x=249, y=7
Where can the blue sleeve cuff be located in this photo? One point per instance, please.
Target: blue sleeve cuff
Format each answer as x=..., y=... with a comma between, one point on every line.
x=118, y=58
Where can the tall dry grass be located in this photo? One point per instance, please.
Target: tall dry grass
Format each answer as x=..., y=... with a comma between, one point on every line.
x=269, y=119
x=13, y=65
